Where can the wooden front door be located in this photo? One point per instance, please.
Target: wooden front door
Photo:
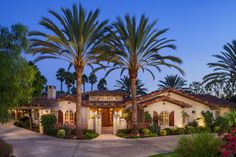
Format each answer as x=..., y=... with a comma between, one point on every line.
x=60, y=117
x=106, y=117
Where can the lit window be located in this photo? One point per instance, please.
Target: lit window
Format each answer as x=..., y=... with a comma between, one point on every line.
x=69, y=117
x=165, y=119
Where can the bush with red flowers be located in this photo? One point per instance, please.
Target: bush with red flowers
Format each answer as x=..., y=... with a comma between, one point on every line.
x=229, y=147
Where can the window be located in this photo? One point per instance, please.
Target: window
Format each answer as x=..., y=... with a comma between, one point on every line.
x=105, y=98
x=69, y=117
x=165, y=119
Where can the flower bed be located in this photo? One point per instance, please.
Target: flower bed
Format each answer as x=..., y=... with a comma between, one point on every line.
x=229, y=147
x=147, y=130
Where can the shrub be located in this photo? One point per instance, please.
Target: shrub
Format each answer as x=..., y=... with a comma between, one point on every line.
x=5, y=149
x=146, y=132
x=48, y=119
x=208, y=118
x=168, y=131
x=89, y=135
x=202, y=145
x=147, y=117
x=193, y=123
x=122, y=135
x=89, y=131
x=17, y=123
x=163, y=133
x=61, y=133
x=48, y=122
x=217, y=129
x=190, y=130
x=229, y=148
x=228, y=121
x=24, y=122
x=124, y=131
x=155, y=129
x=204, y=129
x=178, y=131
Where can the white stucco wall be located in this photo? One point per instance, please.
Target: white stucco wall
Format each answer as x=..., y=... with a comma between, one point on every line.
x=197, y=108
x=169, y=107
x=70, y=105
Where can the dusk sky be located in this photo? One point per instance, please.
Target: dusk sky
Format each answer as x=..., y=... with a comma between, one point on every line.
x=200, y=28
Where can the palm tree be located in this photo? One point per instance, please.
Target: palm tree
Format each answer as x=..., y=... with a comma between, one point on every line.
x=84, y=81
x=102, y=84
x=124, y=84
x=72, y=37
x=69, y=79
x=224, y=69
x=92, y=79
x=173, y=81
x=61, y=76
x=134, y=47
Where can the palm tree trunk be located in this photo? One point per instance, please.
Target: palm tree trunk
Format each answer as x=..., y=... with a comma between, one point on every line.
x=133, y=77
x=79, y=71
x=61, y=86
x=91, y=87
x=84, y=87
x=68, y=88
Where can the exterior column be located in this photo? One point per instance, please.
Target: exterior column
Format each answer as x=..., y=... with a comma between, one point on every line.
x=40, y=124
x=98, y=124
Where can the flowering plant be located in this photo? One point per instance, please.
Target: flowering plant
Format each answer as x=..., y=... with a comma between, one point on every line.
x=229, y=147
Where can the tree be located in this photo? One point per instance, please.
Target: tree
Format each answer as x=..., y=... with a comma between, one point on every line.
x=69, y=79
x=15, y=39
x=92, y=79
x=102, y=84
x=61, y=76
x=84, y=81
x=16, y=83
x=224, y=69
x=124, y=84
x=196, y=88
x=134, y=47
x=72, y=37
x=17, y=76
x=173, y=81
x=40, y=82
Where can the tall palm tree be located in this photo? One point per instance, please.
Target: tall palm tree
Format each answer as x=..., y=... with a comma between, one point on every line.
x=84, y=81
x=173, y=81
x=102, y=84
x=69, y=80
x=72, y=36
x=61, y=76
x=124, y=84
x=134, y=47
x=92, y=79
x=224, y=69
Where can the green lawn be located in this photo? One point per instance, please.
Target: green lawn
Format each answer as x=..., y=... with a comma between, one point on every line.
x=165, y=155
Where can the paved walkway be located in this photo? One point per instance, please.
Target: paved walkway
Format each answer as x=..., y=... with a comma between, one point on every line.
x=30, y=144
x=104, y=137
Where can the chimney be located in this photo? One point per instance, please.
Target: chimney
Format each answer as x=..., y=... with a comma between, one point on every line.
x=51, y=92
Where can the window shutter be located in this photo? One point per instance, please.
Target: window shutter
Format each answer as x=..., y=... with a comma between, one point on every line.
x=172, y=119
x=155, y=117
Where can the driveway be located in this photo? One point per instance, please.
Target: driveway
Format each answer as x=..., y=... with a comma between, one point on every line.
x=30, y=144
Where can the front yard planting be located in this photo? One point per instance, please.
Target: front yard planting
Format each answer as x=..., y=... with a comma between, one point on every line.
x=154, y=130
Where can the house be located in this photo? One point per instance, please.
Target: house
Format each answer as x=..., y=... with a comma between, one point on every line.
x=104, y=110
